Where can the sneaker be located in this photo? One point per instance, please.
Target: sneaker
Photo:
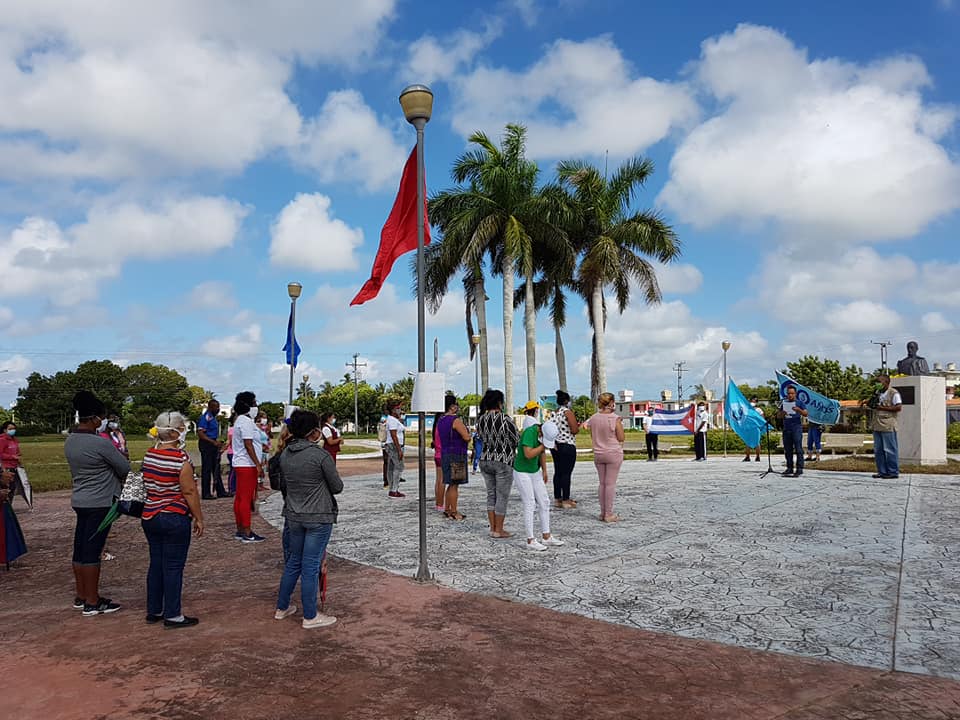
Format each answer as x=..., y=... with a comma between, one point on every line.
x=746, y=459
x=787, y=473
x=396, y=495
x=798, y=473
x=186, y=622
x=238, y=535
x=536, y=545
x=252, y=538
x=320, y=620
x=78, y=603
x=104, y=607
x=281, y=614
x=153, y=619
x=553, y=541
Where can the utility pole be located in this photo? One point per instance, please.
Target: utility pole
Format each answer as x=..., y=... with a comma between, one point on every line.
x=883, y=351
x=680, y=370
x=356, y=379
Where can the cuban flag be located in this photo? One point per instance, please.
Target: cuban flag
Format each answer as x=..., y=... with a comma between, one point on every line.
x=674, y=422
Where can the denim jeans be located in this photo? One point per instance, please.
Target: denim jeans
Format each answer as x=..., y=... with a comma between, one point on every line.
x=308, y=542
x=886, y=452
x=477, y=449
x=168, y=535
x=793, y=445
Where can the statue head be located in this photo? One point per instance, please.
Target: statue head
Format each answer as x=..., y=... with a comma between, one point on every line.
x=912, y=348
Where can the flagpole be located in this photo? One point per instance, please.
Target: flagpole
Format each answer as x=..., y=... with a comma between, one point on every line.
x=293, y=290
x=417, y=104
x=726, y=346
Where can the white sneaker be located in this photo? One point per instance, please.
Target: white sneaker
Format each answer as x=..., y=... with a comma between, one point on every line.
x=281, y=614
x=320, y=620
x=553, y=541
x=536, y=545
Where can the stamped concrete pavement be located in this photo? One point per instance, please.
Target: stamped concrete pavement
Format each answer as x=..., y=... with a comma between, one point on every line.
x=831, y=565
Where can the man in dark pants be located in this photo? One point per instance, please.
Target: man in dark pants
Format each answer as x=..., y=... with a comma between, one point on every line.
x=653, y=452
x=792, y=412
x=208, y=431
x=702, y=424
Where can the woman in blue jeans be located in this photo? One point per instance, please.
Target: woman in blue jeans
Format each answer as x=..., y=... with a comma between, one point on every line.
x=172, y=501
x=309, y=481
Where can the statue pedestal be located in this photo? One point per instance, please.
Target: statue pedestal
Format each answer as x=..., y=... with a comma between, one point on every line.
x=922, y=424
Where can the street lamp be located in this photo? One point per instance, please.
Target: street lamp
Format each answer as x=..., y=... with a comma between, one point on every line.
x=726, y=346
x=417, y=104
x=293, y=290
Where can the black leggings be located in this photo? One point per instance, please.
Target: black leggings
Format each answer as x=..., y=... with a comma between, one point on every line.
x=564, y=458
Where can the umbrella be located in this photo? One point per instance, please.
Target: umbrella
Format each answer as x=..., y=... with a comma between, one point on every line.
x=112, y=514
x=12, y=543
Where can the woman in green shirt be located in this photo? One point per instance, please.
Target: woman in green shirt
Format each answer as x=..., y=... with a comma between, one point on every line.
x=530, y=478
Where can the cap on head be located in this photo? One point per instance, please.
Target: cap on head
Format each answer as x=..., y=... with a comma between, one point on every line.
x=531, y=405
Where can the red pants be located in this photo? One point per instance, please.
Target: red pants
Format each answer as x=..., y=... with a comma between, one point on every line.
x=247, y=478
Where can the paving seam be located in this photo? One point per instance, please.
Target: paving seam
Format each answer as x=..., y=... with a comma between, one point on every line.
x=903, y=544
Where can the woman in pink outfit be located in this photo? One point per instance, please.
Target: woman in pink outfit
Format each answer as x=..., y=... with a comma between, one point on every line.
x=606, y=434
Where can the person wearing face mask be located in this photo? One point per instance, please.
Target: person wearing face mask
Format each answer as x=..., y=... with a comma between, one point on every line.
x=114, y=434
x=394, y=448
x=10, y=454
x=332, y=439
x=172, y=500
x=249, y=468
x=98, y=471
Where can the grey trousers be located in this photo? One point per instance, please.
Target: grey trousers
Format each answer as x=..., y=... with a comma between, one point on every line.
x=498, y=477
x=394, y=467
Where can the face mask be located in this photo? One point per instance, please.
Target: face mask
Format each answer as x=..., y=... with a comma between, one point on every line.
x=252, y=412
x=182, y=439
x=102, y=426
x=11, y=432
x=113, y=425
x=333, y=421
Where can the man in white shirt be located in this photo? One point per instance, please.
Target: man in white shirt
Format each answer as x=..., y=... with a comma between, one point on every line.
x=700, y=436
x=886, y=451
x=394, y=448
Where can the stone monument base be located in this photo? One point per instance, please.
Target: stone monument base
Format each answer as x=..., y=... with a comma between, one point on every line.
x=922, y=424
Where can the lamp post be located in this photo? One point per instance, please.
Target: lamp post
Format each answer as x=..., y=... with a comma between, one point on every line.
x=726, y=346
x=293, y=290
x=417, y=104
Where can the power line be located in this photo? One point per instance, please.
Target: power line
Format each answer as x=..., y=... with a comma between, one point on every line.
x=680, y=370
x=883, y=351
x=356, y=391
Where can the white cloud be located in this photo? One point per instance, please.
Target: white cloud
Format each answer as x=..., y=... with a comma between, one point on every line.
x=937, y=284
x=346, y=141
x=139, y=88
x=528, y=11
x=577, y=95
x=17, y=365
x=861, y=316
x=306, y=235
x=68, y=263
x=246, y=342
x=830, y=150
x=433, y=58
x=935, y=322
x=212, y=295
x=678, y=278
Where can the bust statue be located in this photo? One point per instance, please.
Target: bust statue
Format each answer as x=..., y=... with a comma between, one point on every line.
x=913, y=364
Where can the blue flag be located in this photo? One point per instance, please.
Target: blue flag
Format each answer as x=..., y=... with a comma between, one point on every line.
x=821, y=410
x=292, y=348
x=747, y=422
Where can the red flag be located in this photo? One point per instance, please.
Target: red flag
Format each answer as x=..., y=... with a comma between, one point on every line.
x=399, y=234
x=690, y=419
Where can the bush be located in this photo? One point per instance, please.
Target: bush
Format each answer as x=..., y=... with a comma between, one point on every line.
x=734, y=443
x=953, y=436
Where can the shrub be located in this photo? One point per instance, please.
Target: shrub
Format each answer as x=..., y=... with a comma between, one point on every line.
x=734, y=443
x=953, y=436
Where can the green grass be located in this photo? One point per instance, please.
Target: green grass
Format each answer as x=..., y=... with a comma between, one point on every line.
x=47, y=468
x=860, y=463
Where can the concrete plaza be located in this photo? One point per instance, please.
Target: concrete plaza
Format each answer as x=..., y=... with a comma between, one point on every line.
x=837, y=566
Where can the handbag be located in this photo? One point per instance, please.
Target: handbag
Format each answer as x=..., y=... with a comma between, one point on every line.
x=458, y=468
x=132, y=496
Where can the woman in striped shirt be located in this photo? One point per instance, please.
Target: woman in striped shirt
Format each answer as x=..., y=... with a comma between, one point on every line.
x=172, y=499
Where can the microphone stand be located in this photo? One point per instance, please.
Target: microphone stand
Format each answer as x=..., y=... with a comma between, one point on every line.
x=769, y=461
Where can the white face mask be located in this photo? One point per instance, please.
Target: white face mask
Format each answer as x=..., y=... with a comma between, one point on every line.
x=102, y=426
x=252, y=412
x=182, y=438
x=113, y=425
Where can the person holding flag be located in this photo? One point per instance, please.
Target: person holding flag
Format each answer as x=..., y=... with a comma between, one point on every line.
x=792, y=411
x=744, y=418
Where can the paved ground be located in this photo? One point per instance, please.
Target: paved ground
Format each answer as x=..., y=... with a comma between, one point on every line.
x=832, y=565
x=424, y=651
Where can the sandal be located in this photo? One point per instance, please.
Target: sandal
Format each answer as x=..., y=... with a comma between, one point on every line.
x=455, y=515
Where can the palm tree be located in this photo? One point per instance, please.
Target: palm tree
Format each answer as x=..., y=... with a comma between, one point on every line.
x=492, y=213
x=614, y=244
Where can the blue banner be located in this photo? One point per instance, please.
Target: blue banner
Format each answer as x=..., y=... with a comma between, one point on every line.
x=744, y=419
x=821, y=410
x=292, y=348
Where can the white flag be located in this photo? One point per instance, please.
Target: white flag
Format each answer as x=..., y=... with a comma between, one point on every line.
x=713, y=378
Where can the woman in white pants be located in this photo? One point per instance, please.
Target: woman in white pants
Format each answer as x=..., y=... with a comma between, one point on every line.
x=530, y=479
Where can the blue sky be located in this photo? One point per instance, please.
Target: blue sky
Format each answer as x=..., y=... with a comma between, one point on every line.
x=166, y=169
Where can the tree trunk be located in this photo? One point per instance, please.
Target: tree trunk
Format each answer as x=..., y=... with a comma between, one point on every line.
x=561, y=359
x=530, y=328
x=509, y=407
x=596, y=300
x=480, y=306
